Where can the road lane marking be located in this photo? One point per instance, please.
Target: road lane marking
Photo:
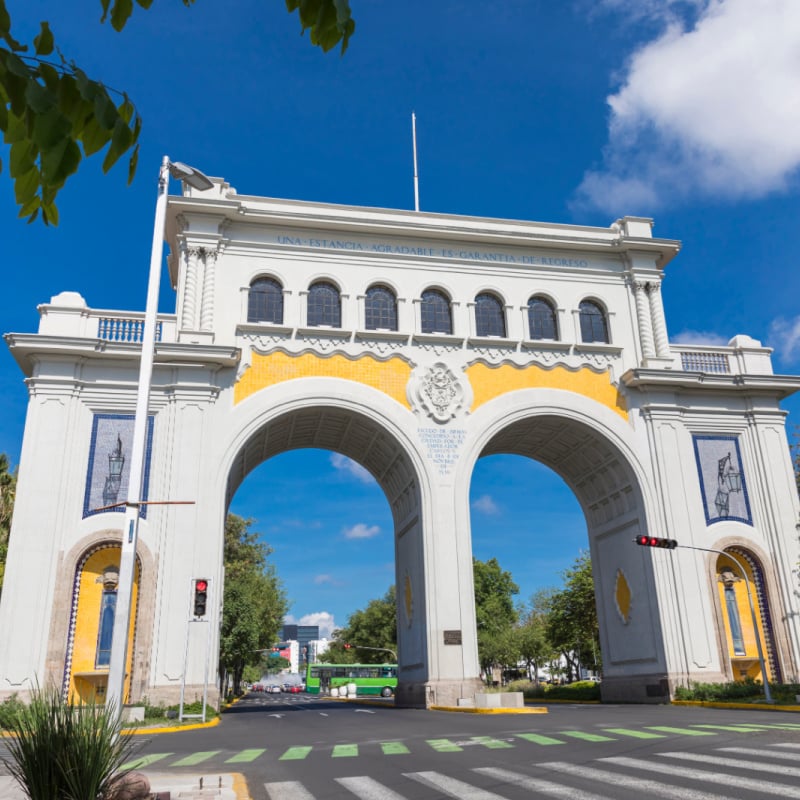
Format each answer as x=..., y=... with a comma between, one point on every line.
x=295, y=754
x=734, y=728
x=288, y=790
x=635, y=734
x=145, y=761
x=751, y=751
x=444, y=746
x=681, y=731
x=394, y=748
x=344, y=751
x=537, y=738
x=490, y=743
x=245, y=756
x=537, y=785
x=755, y=766
x=453, y=787
x=368, y=789
x=587, y=737
x=725, y=779
x=194, y=758
x=642, y=786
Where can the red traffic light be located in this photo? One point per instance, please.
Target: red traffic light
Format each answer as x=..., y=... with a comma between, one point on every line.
x=201, y=585
x=347, y=646
x=655, y=541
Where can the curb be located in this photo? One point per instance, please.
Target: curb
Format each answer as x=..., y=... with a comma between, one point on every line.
x=737, y=706
x=473, y=710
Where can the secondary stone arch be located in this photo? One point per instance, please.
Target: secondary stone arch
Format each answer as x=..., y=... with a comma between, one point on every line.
x=592, y=449
x=366, y=426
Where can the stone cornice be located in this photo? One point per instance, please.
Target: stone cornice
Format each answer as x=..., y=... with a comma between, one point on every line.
x=780, y=386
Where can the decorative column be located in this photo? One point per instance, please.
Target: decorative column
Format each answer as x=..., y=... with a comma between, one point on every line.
x=644, y=318
x=659, y=323
x=189, y=311
x=207, y=307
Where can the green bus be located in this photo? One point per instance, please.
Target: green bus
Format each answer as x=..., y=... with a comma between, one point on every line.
x=370, y=679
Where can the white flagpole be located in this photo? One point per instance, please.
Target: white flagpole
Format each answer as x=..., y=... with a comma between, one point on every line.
x=416, y=176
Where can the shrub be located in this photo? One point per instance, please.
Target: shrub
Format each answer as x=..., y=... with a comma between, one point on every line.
x=66, y=751
x=8, y=710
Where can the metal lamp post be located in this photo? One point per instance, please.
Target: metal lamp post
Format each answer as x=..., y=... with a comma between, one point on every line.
x=119, y=645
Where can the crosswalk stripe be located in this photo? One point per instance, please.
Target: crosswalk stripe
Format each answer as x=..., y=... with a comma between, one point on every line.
x=635, y=734
x=194, y=758
x=492, y=744
x=344, y=751
x=587, y=737
x=455, y=788
x=682, y=731
x=537, y=738
x=751, y=751
x=640, y=785
x=538, y=785
x=755, y=766
x=245, y=756
x=790, y=745
x=145, y=761
x=295, y=754
x=736, y=728
x=368, y=789
x=726, y=779
x=288, y=790
x=444, y=746
x=394, y=749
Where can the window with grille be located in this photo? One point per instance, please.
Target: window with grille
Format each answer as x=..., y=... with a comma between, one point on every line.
x=380, y=309
x=265, y=301
x=489, y=316
x=541, y=319
x=594, y=326
x=435, y=312
x=324, y=306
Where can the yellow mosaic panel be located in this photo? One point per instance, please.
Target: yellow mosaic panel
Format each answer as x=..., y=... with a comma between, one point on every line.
x=88, y=682
x=622, y=597
x=389, y=377
x=490, y=382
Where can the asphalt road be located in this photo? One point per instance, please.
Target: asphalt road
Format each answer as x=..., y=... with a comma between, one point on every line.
x=296, y=747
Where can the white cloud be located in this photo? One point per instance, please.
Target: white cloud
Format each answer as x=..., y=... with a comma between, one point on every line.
x=784, y=336
x=323, y=619
x=709, y=107
x=485, y=505
x=323, y=578
x=361, y=531
x=701, y=338
x=350, y=467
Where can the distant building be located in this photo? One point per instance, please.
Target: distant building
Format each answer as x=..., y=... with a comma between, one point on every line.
x=303, y=635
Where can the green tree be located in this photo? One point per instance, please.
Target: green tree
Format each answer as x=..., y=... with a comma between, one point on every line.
x=52, y=114
x=534, y=645
x=572, y=617
x=8, y=490
x=495, y=614
x=369, y=632
x=254, y=602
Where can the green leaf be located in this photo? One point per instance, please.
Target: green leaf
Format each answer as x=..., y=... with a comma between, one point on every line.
x=50, y=128
x=16, y=66
x=39, y=98
x=133, y=164
x=93, y=137
x=121, y=13
x=14, y=88
x=59, y=162
x=88, y=88
x=121, y=140
x=26, y=186
x=50, y=214
x=44, y=41
x=104, y=4
x=31, y=208
x=15, y=130
x=22, y=158
x=104, y=110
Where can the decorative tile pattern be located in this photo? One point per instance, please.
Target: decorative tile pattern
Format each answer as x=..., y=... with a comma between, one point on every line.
x=722, y=482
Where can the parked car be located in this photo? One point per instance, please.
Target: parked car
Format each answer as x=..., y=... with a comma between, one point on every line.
x=294, y=689
x=274, y=689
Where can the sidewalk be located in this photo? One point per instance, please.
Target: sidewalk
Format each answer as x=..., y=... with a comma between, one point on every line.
x=181, y=786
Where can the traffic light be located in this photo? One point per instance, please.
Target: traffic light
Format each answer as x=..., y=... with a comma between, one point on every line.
x=655, y=541
x=200, y=596
x=347, y=646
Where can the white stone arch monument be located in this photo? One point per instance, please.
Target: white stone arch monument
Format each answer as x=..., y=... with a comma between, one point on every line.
x=683, y=442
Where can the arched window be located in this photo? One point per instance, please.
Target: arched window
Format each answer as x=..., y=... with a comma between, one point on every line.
x=594, y=327
x=542, y=319
x=265, y=301
x=324, y=307
x=435, y=312
x=380, y=309
x=490, y=319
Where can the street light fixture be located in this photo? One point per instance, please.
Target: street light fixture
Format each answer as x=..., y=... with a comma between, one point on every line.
x=130, y=531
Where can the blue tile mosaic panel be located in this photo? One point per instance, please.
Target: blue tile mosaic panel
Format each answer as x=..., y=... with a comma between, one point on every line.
x=109, y=463
x=722, y=482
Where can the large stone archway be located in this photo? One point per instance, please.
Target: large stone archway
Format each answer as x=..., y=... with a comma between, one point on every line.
x=492, y=336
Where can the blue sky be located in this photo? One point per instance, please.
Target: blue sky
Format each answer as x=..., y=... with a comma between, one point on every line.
x=582, y=111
